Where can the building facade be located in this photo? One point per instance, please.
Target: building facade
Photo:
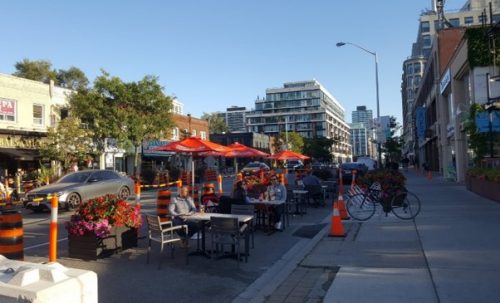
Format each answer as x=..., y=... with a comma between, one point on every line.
x=235, y=118
x=359, y=139
x=304, y=107
x=473, y=12
x=27, y=109
x=365, y=116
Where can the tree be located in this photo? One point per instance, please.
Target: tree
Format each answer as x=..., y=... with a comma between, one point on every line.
x=67, y=142
x=319, y=148
x=38, y=70
x=73, y=78
x=295, y=142
x=394, y=143
x=129, y=112
x=216, y=124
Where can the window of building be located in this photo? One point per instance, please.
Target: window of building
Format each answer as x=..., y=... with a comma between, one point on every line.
x=426, y=40
x=203, y=135
x=437, y=25
x=37, y=114
x=455, y=22
x=175, y=133
x=496, y=18
x=425, y=27
x=193, y=132
x=468, y=20
x=416, y=67
x=482, y=19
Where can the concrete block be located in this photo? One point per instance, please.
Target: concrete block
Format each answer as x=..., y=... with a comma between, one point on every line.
x=38, y=283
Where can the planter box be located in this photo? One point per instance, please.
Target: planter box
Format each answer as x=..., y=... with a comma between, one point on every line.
x=89, y=247
x=484, y=188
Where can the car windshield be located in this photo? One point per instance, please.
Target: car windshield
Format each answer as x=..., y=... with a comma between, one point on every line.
x=253, y=165
x=75, y=178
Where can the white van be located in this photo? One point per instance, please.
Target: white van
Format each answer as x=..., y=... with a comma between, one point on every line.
x=369, y=162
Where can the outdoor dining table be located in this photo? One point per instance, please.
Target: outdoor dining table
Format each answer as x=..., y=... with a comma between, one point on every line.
x=267, y=205
x=204, y=218
x=300, y=196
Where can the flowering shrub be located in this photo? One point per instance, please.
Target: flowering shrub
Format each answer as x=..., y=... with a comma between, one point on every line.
x=391, y=181
x=490, y=174
x=99, y=214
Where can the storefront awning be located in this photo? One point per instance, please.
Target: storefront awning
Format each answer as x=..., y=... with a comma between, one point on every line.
x=20, y=154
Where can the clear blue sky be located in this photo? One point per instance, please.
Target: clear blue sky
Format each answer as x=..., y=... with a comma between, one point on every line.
x=214, y=54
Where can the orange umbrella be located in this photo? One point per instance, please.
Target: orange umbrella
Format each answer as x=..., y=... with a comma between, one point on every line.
x=193, y=145
x=288, y=155
x=239, y=150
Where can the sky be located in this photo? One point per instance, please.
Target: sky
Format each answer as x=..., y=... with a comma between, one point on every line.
x=213, y=54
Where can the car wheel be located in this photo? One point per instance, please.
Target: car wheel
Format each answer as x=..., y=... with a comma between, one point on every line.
x=73, y=201
x=124, y=193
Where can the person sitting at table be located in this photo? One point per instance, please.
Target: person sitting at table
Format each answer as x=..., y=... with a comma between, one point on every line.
x=182, y=207
x=276, y=192
x=313, y=185
x=209, y=198
x=311, y=179
x=240, y=192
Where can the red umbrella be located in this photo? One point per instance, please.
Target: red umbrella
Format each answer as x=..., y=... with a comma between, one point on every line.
x=193, y=145
x=239, y=150
x=288, y=155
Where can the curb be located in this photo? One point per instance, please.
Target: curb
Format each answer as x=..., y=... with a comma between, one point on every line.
x=269, y=281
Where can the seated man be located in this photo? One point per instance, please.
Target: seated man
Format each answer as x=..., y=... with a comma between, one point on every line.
x=182, y=207
x=209, y=198
x=313, y=185
x=276, y=192
x=311, y=179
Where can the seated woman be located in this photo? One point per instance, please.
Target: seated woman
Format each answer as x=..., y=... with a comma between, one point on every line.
x=209, y=198
x=240, y=192
x=277, y=192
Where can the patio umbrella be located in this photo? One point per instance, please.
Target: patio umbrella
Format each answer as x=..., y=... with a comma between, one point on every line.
x=193, y=146
x=288, y=155
x=239, y=150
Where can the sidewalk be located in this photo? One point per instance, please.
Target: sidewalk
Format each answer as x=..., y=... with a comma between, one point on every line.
x=450, y=253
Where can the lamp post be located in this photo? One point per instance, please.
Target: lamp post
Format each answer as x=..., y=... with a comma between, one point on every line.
x=374, y=54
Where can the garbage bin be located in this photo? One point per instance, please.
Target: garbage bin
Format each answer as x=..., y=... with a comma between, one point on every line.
x=11, y=234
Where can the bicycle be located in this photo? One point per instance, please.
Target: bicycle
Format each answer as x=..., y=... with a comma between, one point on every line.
x=362, y=205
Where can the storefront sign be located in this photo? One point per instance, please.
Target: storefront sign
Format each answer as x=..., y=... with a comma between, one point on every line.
x=7, y=107
x=420, y=122
x=443, y=84
x=13, y=141
x=483, y=122
x=148, y=148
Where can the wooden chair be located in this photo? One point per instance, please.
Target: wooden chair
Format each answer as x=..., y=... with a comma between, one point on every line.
x=165, y=234
x=227, y=231
x=246, y=209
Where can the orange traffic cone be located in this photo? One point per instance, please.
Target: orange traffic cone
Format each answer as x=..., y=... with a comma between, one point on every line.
x=342, y=210
x=336, y=229
x=429, y=175
x=353, y=181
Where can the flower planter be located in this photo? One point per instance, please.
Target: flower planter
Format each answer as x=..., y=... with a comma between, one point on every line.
x=484, y=188
x=90, y=247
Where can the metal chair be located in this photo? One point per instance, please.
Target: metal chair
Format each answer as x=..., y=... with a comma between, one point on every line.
x=226, y=231
x=316, y=194
x=246, y=209
x=165, y=234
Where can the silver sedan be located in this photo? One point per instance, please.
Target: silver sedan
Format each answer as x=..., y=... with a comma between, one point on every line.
x=80, y=186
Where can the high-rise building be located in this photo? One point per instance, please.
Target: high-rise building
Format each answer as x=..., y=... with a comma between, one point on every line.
x=431, y=21
x=362, y=115
x=359, y=139
x=234, y=117
x=304, y=107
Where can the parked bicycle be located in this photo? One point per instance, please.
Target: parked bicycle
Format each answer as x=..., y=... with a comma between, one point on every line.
x=362, y=205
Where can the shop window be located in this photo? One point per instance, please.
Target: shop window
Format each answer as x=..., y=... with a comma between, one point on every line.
x=37, y=114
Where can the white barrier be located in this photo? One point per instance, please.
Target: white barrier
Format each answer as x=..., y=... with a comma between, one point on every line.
x=39, y=283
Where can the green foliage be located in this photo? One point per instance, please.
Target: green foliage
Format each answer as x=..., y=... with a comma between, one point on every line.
x=295, y=142
x=73, y=78
x=319, y=148
x=67, y=142
x=393, y=144
x=490, y=174
x=216, y=124
x=478, y=142
x=38, y=70
x=478, y=47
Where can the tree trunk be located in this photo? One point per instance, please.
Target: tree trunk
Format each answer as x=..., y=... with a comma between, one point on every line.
x=137, y=167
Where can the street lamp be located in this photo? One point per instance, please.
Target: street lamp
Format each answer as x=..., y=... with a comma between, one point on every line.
x=374, y=54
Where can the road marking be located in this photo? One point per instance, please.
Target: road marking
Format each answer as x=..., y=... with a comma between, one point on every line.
x=43, y=244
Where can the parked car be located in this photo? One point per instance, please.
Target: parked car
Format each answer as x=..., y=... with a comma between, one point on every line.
x=80, y=186
x=253, y=168
x=294, y=164
x=348, y=167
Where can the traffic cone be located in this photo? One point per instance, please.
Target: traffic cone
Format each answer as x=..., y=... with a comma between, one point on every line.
x=342, y=209
x=429, y=175
x=353, y=181
x=336, y=229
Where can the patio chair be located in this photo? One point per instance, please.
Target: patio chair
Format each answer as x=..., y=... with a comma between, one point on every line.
x=165, y=234
x=316, y=194
x=247, y=209
x=227, y=231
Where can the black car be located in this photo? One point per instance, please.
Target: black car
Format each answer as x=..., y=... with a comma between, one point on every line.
x=254, y=168
x=348, y=167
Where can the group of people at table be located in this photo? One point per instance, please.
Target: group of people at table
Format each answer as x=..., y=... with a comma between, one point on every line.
x=182, y=206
